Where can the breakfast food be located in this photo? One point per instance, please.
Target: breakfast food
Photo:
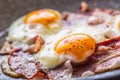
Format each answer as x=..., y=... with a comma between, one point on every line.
x=47, y=44
x=77, y=46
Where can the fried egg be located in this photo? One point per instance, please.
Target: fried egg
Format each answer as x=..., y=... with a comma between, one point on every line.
x=75, y=42
x=77, y=47
x=45, y=23
x=27, y=27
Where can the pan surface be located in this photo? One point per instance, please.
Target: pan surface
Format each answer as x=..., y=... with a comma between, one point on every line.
x=10, y=10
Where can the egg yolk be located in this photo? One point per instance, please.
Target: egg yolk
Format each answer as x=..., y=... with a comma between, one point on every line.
x=43, y=16
x=78, y=46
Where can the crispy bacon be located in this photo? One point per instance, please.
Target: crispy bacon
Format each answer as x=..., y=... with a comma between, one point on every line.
x=106, y=48
x=110, y=42
x=25, y=65
x=108, y=64
x=84, y=7
x=38, y=42
x=6, y=48
x=108, y=55
x=6, y=69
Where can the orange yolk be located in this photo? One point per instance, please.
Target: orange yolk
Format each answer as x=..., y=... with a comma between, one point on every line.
x=43, y=16
x=78, y=46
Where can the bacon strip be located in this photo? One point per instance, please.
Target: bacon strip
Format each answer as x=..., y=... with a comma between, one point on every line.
x=108, y=64
x=6, y=48
x=111, y=55
x=38, y=42
x=110, y=42
x=25, y=65
x=6, y=69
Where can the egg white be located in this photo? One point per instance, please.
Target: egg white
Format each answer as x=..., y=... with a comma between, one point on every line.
x=21, y=33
